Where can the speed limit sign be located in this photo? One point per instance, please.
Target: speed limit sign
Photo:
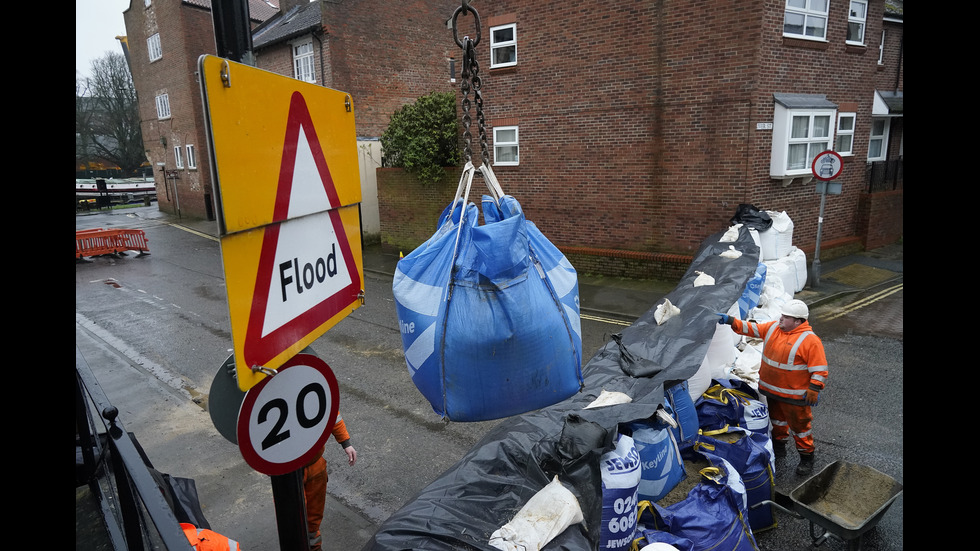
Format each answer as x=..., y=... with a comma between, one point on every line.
x=285, y=419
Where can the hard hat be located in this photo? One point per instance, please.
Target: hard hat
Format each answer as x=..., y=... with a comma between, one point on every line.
x=796, y=309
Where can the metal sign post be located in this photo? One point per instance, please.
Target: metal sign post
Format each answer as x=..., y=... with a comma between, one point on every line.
x=826, y=166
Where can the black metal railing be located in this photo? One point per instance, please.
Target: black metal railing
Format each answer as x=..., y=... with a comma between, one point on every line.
x=885, y=175
x=114, y=485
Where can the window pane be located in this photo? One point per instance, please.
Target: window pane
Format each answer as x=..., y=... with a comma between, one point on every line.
x=858, y=10
x=506, y=54
x=506, y=154
x=874, y=149
x=816, y=26
x=818, y=5
x=878, y=127
x=801, y=127
x=793, y=23
x=507, y=135
x=846, y=123
x=821, y=126
x=796, y=158
x=844, y=143
x=855, y=32
x=816, y=149
x=505, y=34
x=801, y=4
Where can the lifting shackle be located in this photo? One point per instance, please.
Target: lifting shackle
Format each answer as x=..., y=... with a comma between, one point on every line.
x=470, y=80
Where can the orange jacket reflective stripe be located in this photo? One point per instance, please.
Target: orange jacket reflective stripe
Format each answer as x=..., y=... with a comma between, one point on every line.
x=792, y=362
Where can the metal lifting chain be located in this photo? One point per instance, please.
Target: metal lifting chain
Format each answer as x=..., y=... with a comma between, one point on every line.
x=470, y=79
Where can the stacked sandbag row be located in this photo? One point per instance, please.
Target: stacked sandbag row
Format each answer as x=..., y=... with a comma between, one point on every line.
x=707, y=490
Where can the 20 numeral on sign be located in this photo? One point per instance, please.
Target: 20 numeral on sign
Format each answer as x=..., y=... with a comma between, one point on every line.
x=286, y=419
x=278, y=435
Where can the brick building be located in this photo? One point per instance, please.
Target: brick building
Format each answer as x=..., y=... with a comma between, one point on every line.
x=383, y=55
x=166, y=38
x=634, y=129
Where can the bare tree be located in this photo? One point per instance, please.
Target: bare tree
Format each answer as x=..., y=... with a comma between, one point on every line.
x=109, y=115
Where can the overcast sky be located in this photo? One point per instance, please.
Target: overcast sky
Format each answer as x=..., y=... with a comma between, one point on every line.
x=97, y=24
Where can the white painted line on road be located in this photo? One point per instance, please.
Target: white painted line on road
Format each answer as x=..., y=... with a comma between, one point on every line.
x=168, y=378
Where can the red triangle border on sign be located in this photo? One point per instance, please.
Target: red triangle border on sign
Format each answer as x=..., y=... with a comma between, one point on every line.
x=258, y=349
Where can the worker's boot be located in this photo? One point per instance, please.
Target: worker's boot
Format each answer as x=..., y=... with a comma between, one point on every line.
x=779, y=448
x=806, y=464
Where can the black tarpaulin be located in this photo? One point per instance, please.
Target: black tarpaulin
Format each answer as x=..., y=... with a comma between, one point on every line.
x=489, y=485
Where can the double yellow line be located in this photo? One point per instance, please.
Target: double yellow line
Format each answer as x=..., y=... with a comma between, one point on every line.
x=605, y=320
x=867, y=301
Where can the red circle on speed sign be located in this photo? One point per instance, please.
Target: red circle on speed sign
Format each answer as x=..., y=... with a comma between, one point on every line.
x=827, y=166
x=285, y=419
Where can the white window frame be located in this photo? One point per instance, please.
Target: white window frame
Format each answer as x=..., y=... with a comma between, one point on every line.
x=153, y=48
x=881, y=137
x=496, y=46
x=845, y=132
x=860, y=21
x=163, y=106
x=784, y=142
x=881, y=49
x=499, y=144
x=304, y=63
x=809, y=11
x=178, y=159
x=191, y=156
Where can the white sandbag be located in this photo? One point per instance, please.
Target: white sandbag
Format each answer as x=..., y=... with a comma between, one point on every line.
x=731, y=253
x=547, y=514
x=717, y=361
x=785, y=269
x=757, y=239
x=703, y=280
x=607, y=398
x=797, y=259
x=772, y=290
x=778, y=239
x=665, y=311
x=731, y=234
x=747, y=364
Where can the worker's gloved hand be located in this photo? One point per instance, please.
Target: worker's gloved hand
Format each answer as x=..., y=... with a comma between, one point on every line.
x=812, y=397
x=724, y=319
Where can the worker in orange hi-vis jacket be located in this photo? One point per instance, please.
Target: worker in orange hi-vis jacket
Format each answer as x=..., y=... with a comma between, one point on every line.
x=315, y=483
x=792, y=374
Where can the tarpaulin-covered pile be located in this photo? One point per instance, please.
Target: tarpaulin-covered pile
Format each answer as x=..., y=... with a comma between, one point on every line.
x=463, y=507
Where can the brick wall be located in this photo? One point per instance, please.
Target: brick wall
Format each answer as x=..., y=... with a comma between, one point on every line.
x=639, y=122
x=186, y=33
x=387, y=55
x=409, y=210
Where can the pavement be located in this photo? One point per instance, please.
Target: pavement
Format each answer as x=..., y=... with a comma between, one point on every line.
x=127, y=385
x=629, y=299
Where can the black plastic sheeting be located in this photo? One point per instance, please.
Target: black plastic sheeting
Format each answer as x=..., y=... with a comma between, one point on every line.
x=489, y=485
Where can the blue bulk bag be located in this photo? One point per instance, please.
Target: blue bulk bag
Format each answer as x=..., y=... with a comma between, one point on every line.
x=713, y=516
x=753, y=291
x=660, y=459
x=678, y=402
x=732, y=403
x=489, y=313
x=750, y=455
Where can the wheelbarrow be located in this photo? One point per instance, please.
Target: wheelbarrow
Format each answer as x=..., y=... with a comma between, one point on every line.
x=844, y=499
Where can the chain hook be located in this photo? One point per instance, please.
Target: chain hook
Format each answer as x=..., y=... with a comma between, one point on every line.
x=463, y=9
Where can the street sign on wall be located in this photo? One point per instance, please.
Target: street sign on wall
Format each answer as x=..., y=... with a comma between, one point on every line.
x=287, y=185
